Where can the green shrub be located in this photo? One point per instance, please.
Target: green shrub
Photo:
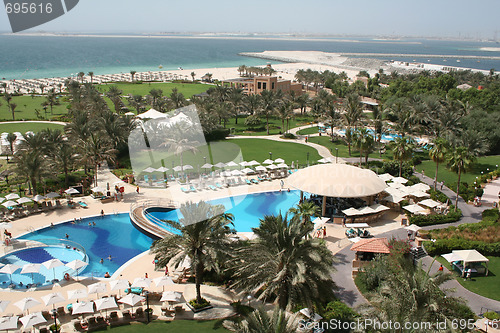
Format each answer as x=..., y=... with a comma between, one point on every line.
x=438, y=195
x=252, y=121
x=289, y=136
x=441, y=246
x=197, y=305
x=337, y=310
x=491, y=315
x=218, y=134
x=392, y=167
x=241, y=309
x=375, y=272
x=424, y=220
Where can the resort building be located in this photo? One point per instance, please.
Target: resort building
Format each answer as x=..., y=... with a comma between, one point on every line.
x=257, y=84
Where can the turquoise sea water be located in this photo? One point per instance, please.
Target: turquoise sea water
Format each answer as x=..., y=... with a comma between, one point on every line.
x=49, y=56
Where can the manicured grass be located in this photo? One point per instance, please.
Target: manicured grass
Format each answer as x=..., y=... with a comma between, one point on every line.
x=343, y=149
x=177, y=326
x=187, y=89
x=450, y=177
x=310, y=130
x=487, y=286
x=26, y=106
x=25, y=127
x=274, y=125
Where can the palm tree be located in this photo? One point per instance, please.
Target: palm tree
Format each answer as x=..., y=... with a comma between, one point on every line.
x=42, y=87
x=137, y=102
x=438, y=154
x=460, y=160
x=285, y=112
x=91, y=74
x=260, y=321
x=13, y=107
x=193, y=74
x=155, y=94
x=95, y=149
x=132, y=74
x=60, y=85
x=51, y=99
x=11, y=139
x=283, y=265
x=402, y=151
x=329, y=104
x=364, y=142
x=252, y=103
x=305, y=211
x=114, y=94
x=270, y=101
x=177, y=98
x=81, y=75
x=180, y=139
x=31, y=164
x=303, y=102
x=202, y=236
x=4, y=86
x=351, y=116
x=63, y=158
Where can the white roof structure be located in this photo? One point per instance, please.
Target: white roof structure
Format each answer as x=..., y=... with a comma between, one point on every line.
x=393, y=198
x=152, y=114
x=429, y=203
x=351, y=212
x=414, y=209
x=385, y=177
x=470, y=256
x=420, y=187
x=400, y=180
x=379, y=208
x=337, y=180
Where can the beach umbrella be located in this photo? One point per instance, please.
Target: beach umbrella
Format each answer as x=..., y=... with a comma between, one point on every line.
x=141, y=283
x=279, y=160
x=32, y=319
x=52, y=264
x=9, y=203
x=187, y=167
x=236, y=173
x=118, y=285
x=177, y=168
x=24, y=200
x=253, y=162
x=75, y=265
x=52, y=195
x=272, y=167
x=149, y=170
x=244, y=163
x=105, y=304
x=268, y=161
x=72, y=191
x=77, y=294
x=164, y=281
x=27, y=303
x=282, y=166
x=3, y=305
x=220, y=165
x=96, y=288
x=97, y=189
x=9, y=269
x=247, y=170
x=171, y=296
x=231, y=164
x=12, y=196
x=131, y=299
x=207, y=166
x=261, y=168
x=30, y=269
x=8, y=323
x=53, y=298
x=82, y=307
x=162, y=169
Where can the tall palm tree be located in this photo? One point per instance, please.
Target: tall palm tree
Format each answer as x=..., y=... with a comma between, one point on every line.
x=180, y=139
x=11, y=139
x=91, y=74
x=353, y=112
x=31, y=164
x=302, y=102
x=137, y=102
x=155, y=94
x=4, y=86
x=402, y=151
x=81, y=75
x=203, y=236
x=460, y=160
x=132, y=74
x=235, y=98
x=63, y=158
x=438, y=154
x=364, y=142
x=329, y=103
x=260, y=321
x=281, y=264
x=42, y=87
x=285, y=112
x=193, y=74
x=13, y=107
x=252, y=103
x=305, y=211
x=96, y=149
x=114, y=94
x=270, y=101
x=51, y=99
x=177, y=98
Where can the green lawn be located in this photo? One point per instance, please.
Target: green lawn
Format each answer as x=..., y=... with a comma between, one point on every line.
x=25, y=127
x=450, y=177
x=26, y=106
x=310, y=130
x=177, y=326
x=274, y=125
x=343, y=149
x=187, y=89
x=487, y=286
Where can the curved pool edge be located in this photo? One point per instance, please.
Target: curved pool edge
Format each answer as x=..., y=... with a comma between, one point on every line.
x=120, y=270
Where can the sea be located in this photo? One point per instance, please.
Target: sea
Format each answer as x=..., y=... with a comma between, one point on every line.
x=44, y=56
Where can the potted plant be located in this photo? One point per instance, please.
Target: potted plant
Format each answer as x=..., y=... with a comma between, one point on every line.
x=55, y=328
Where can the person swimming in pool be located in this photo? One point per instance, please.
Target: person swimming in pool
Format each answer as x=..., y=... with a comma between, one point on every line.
x=110, y=257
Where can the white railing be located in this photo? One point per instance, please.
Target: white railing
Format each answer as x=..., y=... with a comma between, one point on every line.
x=141, y=206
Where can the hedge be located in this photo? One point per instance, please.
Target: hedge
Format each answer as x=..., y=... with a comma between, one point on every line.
x=424, y=220
x=441, y=246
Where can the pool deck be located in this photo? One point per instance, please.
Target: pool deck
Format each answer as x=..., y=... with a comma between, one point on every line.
x=142, y=264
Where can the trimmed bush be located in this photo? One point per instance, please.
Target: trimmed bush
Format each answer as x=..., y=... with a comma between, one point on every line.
x=201, y=305
x=218, y=134
x=438, y=196
x=441, y=246
x=424, y=220
x=289, y=136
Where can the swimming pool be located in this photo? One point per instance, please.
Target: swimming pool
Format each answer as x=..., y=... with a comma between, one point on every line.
x=113, y=235
x=38, y=255
x=247, y=209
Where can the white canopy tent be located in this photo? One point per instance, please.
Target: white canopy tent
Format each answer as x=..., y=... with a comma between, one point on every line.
x=152, y=114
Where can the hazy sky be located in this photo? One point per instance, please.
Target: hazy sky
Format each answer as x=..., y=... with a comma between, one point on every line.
x=447, y=18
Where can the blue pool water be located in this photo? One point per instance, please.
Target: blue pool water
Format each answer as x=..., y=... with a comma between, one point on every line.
x=38, y=255
x=247, y=209
x=112, y=235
